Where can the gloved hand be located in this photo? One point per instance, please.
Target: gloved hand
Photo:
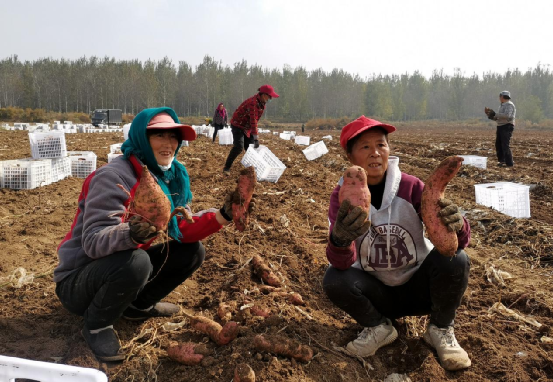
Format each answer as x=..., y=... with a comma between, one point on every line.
x=141, y=231
x=349, y=225
x=226, y=210
x=490, y=113
x=256, y=144
x=450, y=215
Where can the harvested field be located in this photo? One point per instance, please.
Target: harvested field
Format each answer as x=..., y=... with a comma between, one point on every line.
x=289, y=231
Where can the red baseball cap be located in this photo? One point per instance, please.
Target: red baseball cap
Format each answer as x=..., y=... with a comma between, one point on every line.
x=268, y=89
x=361, y=124
x=165, y=121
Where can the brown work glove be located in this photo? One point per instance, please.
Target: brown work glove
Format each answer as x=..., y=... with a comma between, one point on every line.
x=141, y=231
x=450, y=215
x=490, y=113
x=226, y=210
x=349, y=225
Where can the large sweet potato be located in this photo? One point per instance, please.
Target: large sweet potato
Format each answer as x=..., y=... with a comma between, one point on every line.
x=187, y=353
x=445, y=241
x=283, y=346
x=221, y=335
x=262, y=270
x=242, y=197
x=355, y=189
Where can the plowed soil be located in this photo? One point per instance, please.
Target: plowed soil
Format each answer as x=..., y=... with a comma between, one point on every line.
x=289, y=230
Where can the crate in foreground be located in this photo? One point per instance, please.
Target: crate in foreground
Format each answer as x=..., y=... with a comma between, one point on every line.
x=48, y=145
x=267, y=166
x=475, y=160
x=512, y=199
x=315, y=151
x=25, y=174
x=83, y=163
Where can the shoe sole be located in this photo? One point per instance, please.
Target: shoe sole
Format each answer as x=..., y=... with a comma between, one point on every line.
x=391, y=338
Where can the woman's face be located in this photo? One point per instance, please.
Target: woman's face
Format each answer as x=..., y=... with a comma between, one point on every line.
x=221, y=107
x=164, y=143
x=371, y=151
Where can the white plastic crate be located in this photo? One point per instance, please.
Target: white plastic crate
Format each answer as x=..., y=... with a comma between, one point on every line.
x=509, y=198
x=17, y=369
x=301, y=140
x=185, y=143
x=112, y=156
x=285, y=136
x=225, y=136
x=267, y=166
x=25, y=174
x=315, y=150
x=474, y=160
x=115, y=148
x=83, y=163
x=126, y=128
x=329, y=137
x=48, y=145
x=61, y=169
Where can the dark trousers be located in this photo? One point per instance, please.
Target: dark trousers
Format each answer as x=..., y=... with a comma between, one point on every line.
x=241, y=142
x=104, y=288
x=216, y=128
x=502, y=139
x=436, y=289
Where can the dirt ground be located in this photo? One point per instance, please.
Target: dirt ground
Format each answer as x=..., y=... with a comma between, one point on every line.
x=290, y=231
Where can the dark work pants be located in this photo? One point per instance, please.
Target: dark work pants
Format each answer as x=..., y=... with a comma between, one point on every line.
x=241, y=142
x=104, y=288
x=216, y=128
x=502, y=140
x=436, y=289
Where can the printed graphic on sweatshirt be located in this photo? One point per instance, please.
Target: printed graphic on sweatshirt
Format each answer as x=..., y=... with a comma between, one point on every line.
x=402, y=250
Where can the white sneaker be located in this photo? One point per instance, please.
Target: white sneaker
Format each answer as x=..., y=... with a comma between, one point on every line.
x=372, y=339
x=452, y=356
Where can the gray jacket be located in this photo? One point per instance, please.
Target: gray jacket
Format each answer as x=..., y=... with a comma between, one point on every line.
x=506, y=114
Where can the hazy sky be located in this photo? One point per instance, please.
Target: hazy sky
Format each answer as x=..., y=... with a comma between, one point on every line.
x=363, y=37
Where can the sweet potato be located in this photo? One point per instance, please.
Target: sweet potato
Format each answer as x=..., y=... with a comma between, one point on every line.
x=262, y=270
x=434, y=188
x=259, y=311
x=221, y=335
x=355, y=188
x=187, y=353
x=283, y=346
x=243, y=373
x=242, y=197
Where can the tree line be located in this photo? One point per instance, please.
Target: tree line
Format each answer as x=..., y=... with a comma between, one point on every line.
x=85, y=84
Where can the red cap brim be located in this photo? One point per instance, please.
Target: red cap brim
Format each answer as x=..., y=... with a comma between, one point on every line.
x=187, y=133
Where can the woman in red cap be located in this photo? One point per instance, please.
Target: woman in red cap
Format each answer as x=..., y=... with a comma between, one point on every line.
x=108, y=267
x=244, y=123
x=382, y=266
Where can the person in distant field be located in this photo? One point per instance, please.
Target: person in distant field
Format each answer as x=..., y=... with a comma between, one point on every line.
x=219, y=119
x=505, y=118
x=244, y=123
x=108, y=267
x=303, y=128
x=381, y=265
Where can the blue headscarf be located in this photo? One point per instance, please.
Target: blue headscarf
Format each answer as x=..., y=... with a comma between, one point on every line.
x=174, y=182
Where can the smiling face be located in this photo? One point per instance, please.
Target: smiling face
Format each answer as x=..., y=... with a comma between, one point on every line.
x=164, y=143
x=371, y=151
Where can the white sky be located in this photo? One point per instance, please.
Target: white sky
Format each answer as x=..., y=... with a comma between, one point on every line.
x=362, y=37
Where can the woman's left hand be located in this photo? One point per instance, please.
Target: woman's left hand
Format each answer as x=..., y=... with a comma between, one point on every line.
x=450, y=215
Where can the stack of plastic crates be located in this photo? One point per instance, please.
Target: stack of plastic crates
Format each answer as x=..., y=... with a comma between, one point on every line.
x=267, y=166
x=25, y=174
x=48, y=145
x=83, y=163
x=509, y=198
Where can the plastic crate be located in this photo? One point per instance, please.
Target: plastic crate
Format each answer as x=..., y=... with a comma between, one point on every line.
x=18, y=369
x=315, y=151
x=225, y=136
x=302, y=140
x=509, y=198
x=61, y=169
x=267, y=166
x=474, y=160
x=83, y=163
x=48, y=145
x=285, y=136
x=126, y=128
x=115, y=148
x=112, y=156
x=25, y=174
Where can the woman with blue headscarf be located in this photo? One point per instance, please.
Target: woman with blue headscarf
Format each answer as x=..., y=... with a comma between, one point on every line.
x=107, y=267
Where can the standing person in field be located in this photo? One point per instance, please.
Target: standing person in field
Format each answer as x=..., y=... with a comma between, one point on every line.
x=381, y=265
x=244, y=123
x=505, y=118
x=108, y=267
x=219, y=119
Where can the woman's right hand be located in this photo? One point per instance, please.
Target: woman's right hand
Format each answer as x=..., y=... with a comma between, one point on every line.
x=141, y=231
x=349, y=225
